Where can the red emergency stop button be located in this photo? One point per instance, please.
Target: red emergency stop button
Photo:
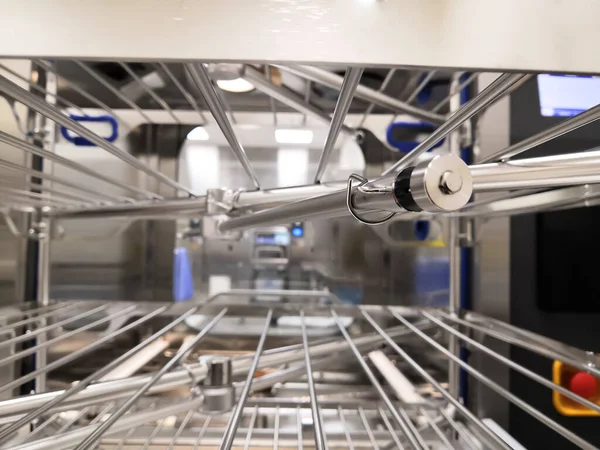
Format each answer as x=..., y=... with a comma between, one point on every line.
x=583, y=384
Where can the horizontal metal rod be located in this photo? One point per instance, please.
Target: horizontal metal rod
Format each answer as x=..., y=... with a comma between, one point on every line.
x=517, y=367
x=567, y=434
x=316, y=207
x=269, y=198
x=100, y=79
x=184, y=207
x=39, y=88
x=46, y=176
x=370, y=95
x=289, y=293
x=541, y=345
x=424, y=188
x=20, y=204
x=33, y=333
x=569, y=197
x=549, y=171
x=31, y=416
x=262, y=438
x=489, y=95
x=40, y=313
x=163, y=104
x=36, y=187
x=33, y=433
x=29, y=208
x=287, y=97
x=112, y=390
x=51, y=342
x=28, y=99
x=71, y=438
x=268, y=404
x=332, y=204
x=240, y=202
x=189, y=97
x=347, y=90
x=290, y=373
x=82, y=351
x=532, y=173
x=17, y=196
x=58, y=199
x=32, y=149
x=50, y=68
x=562, y=128
x=160, y=436
x=201, y=79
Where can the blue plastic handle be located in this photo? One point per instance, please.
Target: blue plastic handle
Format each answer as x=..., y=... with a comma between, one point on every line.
x=83, y=142
x=409, y=144
x=422, y=228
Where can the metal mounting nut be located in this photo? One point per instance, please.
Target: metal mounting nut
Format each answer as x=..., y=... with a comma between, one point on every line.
x=450, y=182
x=443, y=183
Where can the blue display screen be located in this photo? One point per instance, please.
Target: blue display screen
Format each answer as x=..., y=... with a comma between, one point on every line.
x=567, y=95
x=272, y=238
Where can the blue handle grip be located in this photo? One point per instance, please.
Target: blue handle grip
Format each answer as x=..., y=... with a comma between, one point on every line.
x=83, y=142
x=410, y=130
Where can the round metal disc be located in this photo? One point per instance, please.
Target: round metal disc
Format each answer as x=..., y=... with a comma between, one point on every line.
x=426, y=184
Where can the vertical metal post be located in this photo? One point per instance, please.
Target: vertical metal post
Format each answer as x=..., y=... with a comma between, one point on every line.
x=43, y=296
x=454, y=300
x=454, y=256
x=34, y=127
x=47, y=130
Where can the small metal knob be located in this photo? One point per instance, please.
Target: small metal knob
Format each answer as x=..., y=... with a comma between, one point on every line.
x=219, y=371
x=217, y=387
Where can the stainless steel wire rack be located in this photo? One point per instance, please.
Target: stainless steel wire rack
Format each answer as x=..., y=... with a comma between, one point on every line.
x=366, y=384
x=442, y=185
x=372, y=377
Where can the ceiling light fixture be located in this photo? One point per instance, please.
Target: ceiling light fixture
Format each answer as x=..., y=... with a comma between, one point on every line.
x=283, y=136
x=237, y=85
x=198, y=134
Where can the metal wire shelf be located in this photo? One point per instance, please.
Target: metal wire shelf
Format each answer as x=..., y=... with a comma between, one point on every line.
x=426, y=195
x=264, y=396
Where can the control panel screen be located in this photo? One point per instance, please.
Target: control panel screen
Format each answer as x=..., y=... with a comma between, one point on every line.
x=567, y=95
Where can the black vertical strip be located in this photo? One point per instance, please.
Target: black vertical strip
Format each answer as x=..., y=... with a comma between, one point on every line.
x=28, y=364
